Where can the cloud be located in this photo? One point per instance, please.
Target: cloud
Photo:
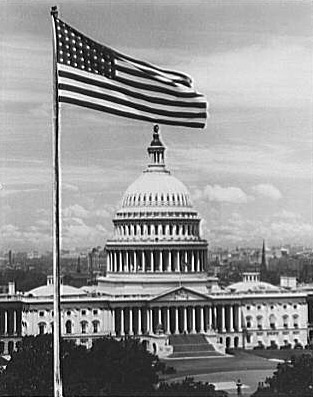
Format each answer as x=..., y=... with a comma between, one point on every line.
x=268, y=191
x=238, y=229
x=75, y=211
x=221, y=194
x=13, y=236
x=250, y=160
x=274, y=73
x=77, y=233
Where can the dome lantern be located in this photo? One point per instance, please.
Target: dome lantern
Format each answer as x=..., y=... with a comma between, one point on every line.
x=156, y=152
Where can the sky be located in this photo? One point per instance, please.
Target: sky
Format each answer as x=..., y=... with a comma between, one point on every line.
x=249, y=172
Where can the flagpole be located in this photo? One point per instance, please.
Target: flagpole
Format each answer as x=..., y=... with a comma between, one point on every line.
x=57, y=380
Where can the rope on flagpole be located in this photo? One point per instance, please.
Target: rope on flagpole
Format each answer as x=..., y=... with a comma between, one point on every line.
x=57, y=379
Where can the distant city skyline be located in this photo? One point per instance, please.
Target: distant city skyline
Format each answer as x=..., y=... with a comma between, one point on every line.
x=249, y=173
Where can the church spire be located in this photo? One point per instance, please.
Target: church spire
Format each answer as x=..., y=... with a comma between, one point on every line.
x=263, y=267
x=156, y=152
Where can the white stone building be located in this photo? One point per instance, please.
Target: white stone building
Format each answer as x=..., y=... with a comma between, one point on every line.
x=157, y=284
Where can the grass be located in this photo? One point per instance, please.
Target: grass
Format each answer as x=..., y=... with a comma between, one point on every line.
x=279, y=354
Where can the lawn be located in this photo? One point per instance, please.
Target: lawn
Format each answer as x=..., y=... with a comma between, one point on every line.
x=285, y=354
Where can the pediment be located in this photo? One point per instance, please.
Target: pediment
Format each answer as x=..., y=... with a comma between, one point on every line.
x=180, y=294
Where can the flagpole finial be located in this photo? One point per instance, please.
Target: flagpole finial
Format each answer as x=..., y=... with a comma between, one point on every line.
x=156, y=128
x=54, y=11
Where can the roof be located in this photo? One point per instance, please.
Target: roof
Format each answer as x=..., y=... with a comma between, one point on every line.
x=252, y=286
x=157, y=189
x=47, y=290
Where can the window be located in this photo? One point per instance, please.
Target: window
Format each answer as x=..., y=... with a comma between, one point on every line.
x=285, y=306
x=68, y=312
x=259, y=307
x=295, y=306
x=249, y=322
x=95, y=325
x=41, y=314
x=68, y=327
x=285, y=321
x=42, y=327
x=259, y=322
x=83, y=312
x=296, y=321
x=84, y=327
x=248, y=307
x=95, y=312
x=272, y=322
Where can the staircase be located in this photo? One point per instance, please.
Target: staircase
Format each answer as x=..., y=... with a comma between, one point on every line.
x=191, y=346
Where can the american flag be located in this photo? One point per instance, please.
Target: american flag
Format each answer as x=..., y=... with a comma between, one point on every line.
x=98, y=77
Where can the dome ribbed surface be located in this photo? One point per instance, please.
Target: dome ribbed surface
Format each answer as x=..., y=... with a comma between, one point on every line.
x=156, y=189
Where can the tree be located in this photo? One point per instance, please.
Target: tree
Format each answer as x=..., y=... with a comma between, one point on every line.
x=292, y=378
x=110, y=365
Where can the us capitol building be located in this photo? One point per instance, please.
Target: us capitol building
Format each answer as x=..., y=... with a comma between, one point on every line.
x=157, y=287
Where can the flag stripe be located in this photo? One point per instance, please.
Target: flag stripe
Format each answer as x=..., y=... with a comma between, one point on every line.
x=154, y=77
x=127, y=70
x=148, y=66
x=121, y=101
x=67, y=84
x=108, y=84
x=121, y=107
x=109, y=109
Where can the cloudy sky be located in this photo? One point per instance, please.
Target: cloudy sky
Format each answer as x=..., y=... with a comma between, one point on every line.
x=249, y=172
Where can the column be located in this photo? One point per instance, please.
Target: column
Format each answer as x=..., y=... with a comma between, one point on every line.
x=122, y=321
x=113, y=321
x=115, y=262
x=201, y=319
x=109, y=262
x=135, y=261
x=5, y=322
x=139, y=320
x=198, y=262
x=131, y=331
x=178, y=262
x=159, y=316
x=186, y=261
x=215, y=322
x=231, y=318
x=239, y=318
x=223, y=317
x=185, y=320
x=169, y=261
x=143, y=265
x=168, y=322
x=192, y=261
x=152, y=261
x=151, y=320
x=121, y=262
x=176, y=321
x=210, y=317
x=193, y=320
x=126, y=267
x=148, y=320
x=161, y=261
x=14, y=322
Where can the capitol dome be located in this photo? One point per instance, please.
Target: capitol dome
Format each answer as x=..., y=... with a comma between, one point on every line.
x=156, y=228
x=156, y=187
